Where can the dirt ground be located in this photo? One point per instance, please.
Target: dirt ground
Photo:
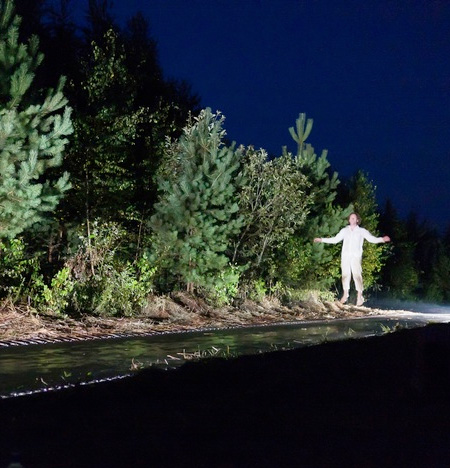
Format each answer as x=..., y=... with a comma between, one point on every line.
x=165, y=314
x=380, y=401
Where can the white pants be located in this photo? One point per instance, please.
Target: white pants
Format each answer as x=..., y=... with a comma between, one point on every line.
x=351, y=266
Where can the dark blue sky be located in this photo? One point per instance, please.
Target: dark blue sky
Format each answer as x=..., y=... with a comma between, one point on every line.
x=373, y=74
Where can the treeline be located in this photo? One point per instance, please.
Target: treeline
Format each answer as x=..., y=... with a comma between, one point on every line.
x=115, y=185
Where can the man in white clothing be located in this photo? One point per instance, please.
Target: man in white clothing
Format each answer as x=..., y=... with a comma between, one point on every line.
x=352, y=238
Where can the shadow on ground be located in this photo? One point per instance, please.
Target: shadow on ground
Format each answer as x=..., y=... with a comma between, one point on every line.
x=381, y=401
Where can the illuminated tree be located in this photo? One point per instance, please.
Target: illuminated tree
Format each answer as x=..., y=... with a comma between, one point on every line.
x=197, y=213
x=302, y=264
x=273, y=203
x=360, y=192
x=33, y=132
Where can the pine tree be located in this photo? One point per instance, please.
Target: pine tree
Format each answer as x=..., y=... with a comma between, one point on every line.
x=360, y=192
x=32, y=135
x=197, y=213
x=400, y=276
x=303, y=264
x=438, y=284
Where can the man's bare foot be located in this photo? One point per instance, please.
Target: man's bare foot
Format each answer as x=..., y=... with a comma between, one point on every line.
x=344, y=299
x=360, y=301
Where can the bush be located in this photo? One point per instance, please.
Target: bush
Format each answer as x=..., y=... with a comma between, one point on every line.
x=227, y=287
x=104, y=283
x=257, y=290
x=15, y=268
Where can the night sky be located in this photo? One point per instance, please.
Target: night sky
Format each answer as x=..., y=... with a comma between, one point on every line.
x=373, y=74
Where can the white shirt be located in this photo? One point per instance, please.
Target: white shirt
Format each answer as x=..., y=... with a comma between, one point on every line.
x=353, y=240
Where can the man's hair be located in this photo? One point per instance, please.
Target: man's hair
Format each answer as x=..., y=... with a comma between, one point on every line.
x=358, y=218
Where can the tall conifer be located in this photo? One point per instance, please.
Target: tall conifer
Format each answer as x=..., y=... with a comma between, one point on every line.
x=360, y=192
x=304, y=264
x=197, y=213
x=33, y=132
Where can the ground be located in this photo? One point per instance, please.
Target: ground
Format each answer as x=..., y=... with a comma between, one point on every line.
x=175, y=313
x=382, y=401
x=379, y=401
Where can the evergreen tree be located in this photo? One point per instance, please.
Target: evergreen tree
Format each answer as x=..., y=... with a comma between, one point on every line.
x=124, y=108
x=428, y=249
x=31, y=12
x=438, y=286
x=151, y=86
x=302, y=264
x=400, y=276
x=32, y=134
x=359, y=191
x=198, y=212
x=418, y=261
x=441, y=273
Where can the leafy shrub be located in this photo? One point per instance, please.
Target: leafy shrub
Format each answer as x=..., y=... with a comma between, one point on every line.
x=55, y=298
x=105, y=284
x=118, y=293
x=15, y=268
x=257, y=290
x=226, y=288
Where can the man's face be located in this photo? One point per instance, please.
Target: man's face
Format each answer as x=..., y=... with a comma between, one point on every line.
x=353, y=220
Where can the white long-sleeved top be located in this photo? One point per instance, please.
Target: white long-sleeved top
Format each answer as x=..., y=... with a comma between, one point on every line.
x=353, y=240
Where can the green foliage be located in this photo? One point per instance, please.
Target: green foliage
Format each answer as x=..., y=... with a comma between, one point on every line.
x=108, y=74
x=300, y=263
x=229, y=223
x=273, y=203
x=15, y=268
x=116, y=292
x=226, y=288
x=22, y=279
x=120, y=132
x=438, y=289
x=403, y=277
x=95, y=279
x=105, y=133
x=32, y=135
x=301, y=132
x=145, y=274
x=257, y=290
x=360, y=192
x=105, y=283
x=400, y=277
x=297, y=260
x=418, y=261
x=56, y=297
x=198, y=212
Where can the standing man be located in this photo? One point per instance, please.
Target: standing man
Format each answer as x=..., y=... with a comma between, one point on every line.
x=352, y=248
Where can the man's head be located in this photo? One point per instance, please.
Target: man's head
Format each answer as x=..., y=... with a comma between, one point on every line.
x=354, y=219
